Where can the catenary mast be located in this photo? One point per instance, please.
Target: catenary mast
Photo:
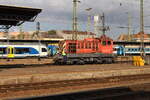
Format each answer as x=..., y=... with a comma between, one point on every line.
x=142, y=27
x=75, y=19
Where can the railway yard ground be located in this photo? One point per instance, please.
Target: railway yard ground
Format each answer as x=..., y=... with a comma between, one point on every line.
x=48, y=79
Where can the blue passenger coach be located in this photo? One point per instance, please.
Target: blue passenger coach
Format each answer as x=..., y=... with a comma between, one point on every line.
x=22, y=51
x=130, y=50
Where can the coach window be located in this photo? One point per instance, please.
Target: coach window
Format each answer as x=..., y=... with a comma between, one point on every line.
x=139, y=49
x=128, y=49
x=44, y=50
x=26, y=50
x=2, y=50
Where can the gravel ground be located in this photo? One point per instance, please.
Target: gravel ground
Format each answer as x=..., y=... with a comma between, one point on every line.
x=48, y=69
x=25, y=61
x=51, y=91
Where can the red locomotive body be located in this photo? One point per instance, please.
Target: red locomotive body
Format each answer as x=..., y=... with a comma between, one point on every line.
x=95, y=50
x=90, y=45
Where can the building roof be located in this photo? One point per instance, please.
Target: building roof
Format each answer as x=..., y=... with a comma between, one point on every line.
x=47, y=35
x=12, y=15
x=79, y=32
x=138, y=35
x=104, y=37
x=124, y=37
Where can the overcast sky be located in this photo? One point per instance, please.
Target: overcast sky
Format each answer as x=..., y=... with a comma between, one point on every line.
x=57, y=14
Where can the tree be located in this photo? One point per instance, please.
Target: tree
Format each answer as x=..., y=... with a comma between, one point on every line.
x=52, y=32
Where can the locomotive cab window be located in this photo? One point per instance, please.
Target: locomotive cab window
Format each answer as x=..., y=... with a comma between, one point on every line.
x=109, y=42
x=103, y=42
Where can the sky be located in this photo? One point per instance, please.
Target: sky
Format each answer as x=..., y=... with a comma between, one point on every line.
x=57, y=14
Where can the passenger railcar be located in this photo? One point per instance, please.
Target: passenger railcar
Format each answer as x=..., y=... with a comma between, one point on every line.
x=130, y=50
x=136, y=50
x=22, y=51
x=90, y=50
x=119, y=50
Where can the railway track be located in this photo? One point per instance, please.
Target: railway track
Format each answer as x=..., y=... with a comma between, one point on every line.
x=70, y=83
x=121, y=93
x=17, y=63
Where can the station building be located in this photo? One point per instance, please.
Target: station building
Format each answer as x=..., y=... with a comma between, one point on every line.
x=45, y=35
x=67, y=34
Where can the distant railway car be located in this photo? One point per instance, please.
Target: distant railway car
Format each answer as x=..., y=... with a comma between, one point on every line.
x=119, y=50
x=136, y=50
x=90, y=50
x=130, y=50
x=23, y=51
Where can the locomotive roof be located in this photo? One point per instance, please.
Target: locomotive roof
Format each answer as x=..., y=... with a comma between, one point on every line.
x=104, y=37
x=14, y=16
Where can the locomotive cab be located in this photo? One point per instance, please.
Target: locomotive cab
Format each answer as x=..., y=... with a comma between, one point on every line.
x=106, y=45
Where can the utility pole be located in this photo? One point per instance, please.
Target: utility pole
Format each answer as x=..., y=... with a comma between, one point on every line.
x=103, y=23
x=21, y=32
x=39, y=39
x=96, y=24
x=7, y=33
x=129, y=27
x=129, y=38
x=142, y=27
x=103, y=28
x=74, y=26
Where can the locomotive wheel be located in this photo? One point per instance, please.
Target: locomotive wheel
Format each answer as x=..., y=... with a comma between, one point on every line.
x=109, y=60
x=98, y=61
x=69, y=62
x=81, y=62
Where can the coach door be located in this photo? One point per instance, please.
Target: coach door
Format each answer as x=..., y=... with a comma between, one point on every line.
x=10, y=52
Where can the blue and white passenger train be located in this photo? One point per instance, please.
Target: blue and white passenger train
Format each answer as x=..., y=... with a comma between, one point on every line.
x=130, y=50
x=23, y=51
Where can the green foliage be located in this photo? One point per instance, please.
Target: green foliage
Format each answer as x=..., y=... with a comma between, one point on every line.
x=52, y=32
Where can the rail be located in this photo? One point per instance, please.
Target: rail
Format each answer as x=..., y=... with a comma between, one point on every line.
x=122, y=93
x=70, y=83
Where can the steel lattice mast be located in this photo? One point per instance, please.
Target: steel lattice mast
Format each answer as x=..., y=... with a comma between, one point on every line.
x=142, y=27
x=75, y=19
